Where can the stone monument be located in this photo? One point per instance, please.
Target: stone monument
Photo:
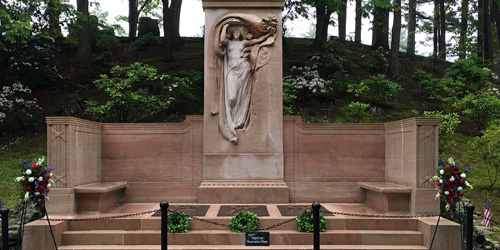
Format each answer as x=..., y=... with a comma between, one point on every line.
x=243, y=117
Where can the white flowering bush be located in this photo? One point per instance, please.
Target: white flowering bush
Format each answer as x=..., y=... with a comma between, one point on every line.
x=182, y=87
x=16, y=100
x=306, y=79
x=35, y=63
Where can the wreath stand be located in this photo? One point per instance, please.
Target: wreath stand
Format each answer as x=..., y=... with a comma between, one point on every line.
x=23, y=221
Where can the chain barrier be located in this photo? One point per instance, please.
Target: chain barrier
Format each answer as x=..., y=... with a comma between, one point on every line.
x=107, y=217
x=204, y=220
x=278, y=224
x=260, y=229
x=229, y=226
x=379, y=215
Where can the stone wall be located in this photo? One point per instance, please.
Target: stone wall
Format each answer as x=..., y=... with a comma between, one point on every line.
x=323, y=162
x=159, y=161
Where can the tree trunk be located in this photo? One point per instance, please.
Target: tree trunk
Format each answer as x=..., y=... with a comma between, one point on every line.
x=342, y=20
x=436, y=27
x=488, y=41
x=462, y=46
x=84, y=47
x=480, y=28
x=175, y=12
x=396, y=37
x=380, y=36
x=167, y=29
x=442, y=37
x=412, y=24
x=132, y=18
x=357, y=29
x=322, y=22
x=495, y=11
x=54, y=13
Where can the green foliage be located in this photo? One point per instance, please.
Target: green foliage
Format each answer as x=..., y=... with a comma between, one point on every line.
x=378, y=64
x=125, y=97
x=487, y=151
x=21, y=21
x=148, y=25
x=356, y=111
x=178, y=222
x=288, y=99
x=34, y=63
x=145, y=41
x=470, y=74
x=243, y=222
x=103, y=62
x=183, y=87
x=447, y=125
x=377, y=89
x=102, y=35
x=16, y=101
x=480, y=107
x=305, y=222
x=445, y=89
x=333, y=64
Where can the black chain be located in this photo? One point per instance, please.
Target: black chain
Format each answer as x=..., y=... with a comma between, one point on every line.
x=206, y=221
x=107, y=217
x=277, y=225
x=380, y=215
x=229, y=226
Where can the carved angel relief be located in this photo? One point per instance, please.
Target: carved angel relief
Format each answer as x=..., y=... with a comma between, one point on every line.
x=241, y=50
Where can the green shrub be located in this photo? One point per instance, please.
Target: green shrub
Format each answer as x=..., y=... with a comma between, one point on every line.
x=125, y=98
x=480, y=107
x=183, y=88
x=16, y=102
x=178, y=222
x=470, y=74
x=243, y=222
x=305, y=222
x=34, y=63
x=356, y=111
x=145, y=41
x=487, y=151
x=102, y=35
x=377, y=89
x=447, y=126
x=103, y=62
x=377, y=64
x=288, y=99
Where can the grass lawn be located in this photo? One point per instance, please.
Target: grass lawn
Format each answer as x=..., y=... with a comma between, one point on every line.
x=32, y=148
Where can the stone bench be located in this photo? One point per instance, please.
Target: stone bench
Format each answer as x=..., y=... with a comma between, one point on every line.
x=386, y=196
x=100, y=196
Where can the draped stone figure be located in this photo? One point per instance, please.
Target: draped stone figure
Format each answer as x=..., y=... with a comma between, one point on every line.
x=240, y=52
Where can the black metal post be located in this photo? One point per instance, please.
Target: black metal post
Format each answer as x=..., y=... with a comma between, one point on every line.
x=164, y=225
x=5, y=227
x=315, y=210
x=470, y=227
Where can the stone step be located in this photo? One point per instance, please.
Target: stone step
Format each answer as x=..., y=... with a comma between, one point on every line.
x=219, y=237
x=234, y=247
x=334, y=223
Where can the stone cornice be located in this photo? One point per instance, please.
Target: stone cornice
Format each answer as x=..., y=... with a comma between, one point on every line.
x=411, y=122
x=68, y=120
x=333, y=126
x=243, y=4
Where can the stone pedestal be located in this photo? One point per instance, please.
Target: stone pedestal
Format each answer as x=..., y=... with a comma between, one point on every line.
x=258, y=154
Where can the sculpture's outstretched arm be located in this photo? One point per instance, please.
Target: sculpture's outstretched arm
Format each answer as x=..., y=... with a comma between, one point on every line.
x=258, y=40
